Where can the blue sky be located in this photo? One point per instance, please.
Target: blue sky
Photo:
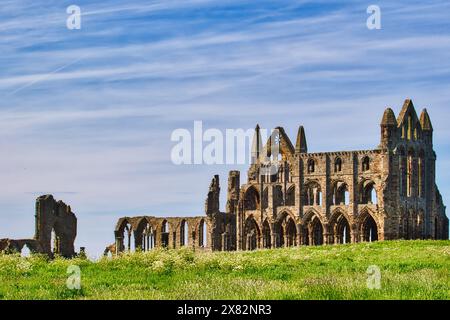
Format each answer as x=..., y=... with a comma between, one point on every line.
x=87, y=114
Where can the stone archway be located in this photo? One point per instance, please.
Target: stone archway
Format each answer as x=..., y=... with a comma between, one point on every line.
x=202, y=234
x=148, y=237
x=184, y=233
x=291, y=233
x=266, y=234
x=342, y=231
x=251, y=199
x=369, y=229
x=339, y=229
x=278, y=232
x=340, y=193
x=312, y=229
x=251, y=234
x=285, y=231
x=316, y=232
x=367, y=192
x=25, y=251
x=290, y=196
x=165, y=229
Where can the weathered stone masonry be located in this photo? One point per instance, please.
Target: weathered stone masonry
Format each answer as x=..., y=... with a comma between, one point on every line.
x=215, y=231
x=314, y=198
x=56, y=229
x=311, y=199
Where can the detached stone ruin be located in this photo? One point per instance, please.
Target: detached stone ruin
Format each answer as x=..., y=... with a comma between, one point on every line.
x=55, y=230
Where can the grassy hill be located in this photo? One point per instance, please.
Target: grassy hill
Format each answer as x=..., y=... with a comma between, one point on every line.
x=409, y=270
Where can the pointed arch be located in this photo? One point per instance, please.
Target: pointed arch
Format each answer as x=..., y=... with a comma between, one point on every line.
x=147, y=237
x=278, y=198
x=291, y=233
x=312, y=229
x=266, y=234
x=368, y=228
x=290, y=196
x=339, y=228
x=124, y=235
x=337, y=164
x=309, y=216
x=202, y=234
x=278, y=232
x=252, y=234
x=184, y=233
x=311, y=165
x=312, y=194
x=340, y=193
x=165, y=231
x=144, y=234
x=367, y=192
x=251, y=199
x=25, y=251
x=316, y=232
x=286, y=229
x=365, y=163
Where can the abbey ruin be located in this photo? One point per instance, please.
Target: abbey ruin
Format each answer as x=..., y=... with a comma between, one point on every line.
x=55, y=230
x=291, y=198
x=313, y=198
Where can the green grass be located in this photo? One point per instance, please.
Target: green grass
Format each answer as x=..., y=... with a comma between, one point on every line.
x=409, y=270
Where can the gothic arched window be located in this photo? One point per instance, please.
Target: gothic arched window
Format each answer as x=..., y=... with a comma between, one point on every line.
x=366, y=164
x=311, y=166
x=337, y=165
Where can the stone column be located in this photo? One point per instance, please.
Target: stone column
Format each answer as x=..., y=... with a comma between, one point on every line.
x=225, y=241
x=299, y=236
x=274, y=240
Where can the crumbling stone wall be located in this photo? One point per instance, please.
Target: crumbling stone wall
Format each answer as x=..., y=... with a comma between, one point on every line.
x=11, y=245
x=214, y=231
x=386, y=193
x=55, y=216
x=51, y=217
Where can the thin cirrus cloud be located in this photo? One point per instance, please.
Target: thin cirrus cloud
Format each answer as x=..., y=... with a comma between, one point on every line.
x=87, y=114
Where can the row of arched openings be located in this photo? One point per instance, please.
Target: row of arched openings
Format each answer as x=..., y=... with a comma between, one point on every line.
x=312, y=195
x=149, y=236
x=284, y=233
x=365, y=164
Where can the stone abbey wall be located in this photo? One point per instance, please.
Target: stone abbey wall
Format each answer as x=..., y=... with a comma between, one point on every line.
x=215, y=231
x=342, y=197
x=314, y=198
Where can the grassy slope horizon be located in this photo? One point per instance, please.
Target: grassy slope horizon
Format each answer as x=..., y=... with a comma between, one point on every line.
x=409, y=270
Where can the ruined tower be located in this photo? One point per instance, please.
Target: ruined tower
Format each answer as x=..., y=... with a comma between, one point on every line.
x=212, y=199
x=233, y=191
x=56, y=226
